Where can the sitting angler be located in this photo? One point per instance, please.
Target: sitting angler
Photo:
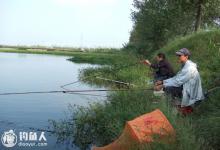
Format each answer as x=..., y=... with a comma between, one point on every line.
x=163, y=69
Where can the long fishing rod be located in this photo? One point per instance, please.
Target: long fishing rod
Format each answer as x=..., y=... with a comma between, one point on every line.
x=97, y=95
x=115, y=81
x=212, y=89
x=100, y=73
x=42, y=130
x=74, y=91
x=84, y=94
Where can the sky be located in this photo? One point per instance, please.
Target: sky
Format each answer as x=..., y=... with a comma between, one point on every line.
x=73, y=23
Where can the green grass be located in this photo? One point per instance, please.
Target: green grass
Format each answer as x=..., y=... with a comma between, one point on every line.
x=102, y=123
x=205, y=49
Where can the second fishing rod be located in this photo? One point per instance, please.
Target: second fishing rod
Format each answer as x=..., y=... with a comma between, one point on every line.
x=117, y=68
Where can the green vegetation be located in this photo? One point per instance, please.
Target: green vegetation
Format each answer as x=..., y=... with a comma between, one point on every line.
x=159, y=25
x=38, y=51
x=76, y=52
x=157, y=21
x=205, y=49
x=93, y=56
x=102, y=58
x=102, y=123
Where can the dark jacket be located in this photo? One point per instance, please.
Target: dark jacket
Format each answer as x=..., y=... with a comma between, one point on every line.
x=163, y=69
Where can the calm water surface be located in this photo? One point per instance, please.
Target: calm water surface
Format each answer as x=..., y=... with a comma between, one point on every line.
x=29, y=72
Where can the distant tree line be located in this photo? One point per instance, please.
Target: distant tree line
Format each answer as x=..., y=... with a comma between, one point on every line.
x=157, y=21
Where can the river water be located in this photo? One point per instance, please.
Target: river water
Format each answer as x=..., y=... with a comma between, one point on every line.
x=19, y=113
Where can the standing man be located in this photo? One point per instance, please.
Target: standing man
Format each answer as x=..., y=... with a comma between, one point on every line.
x=186, y=83
x=163, y=68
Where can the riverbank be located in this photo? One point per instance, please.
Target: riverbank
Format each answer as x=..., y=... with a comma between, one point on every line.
x=102, y=123
x=92, y=56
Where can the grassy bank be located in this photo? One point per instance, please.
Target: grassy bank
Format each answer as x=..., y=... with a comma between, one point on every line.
x=102, y=123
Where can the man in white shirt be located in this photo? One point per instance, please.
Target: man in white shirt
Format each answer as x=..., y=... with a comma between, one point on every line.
x=186, y=83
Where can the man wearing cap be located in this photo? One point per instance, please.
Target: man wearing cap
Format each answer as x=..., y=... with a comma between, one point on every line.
x=186, y=84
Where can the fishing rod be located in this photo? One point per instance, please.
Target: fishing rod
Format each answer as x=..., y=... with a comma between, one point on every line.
x=84, y=94
x=74, y=91
x=42, y=130
x=88, y=94
x=100, y=73
x=213, y=89
x=115, y=81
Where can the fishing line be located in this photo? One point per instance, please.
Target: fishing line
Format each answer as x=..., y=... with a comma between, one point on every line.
x=73, y=91
x=42, y=130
